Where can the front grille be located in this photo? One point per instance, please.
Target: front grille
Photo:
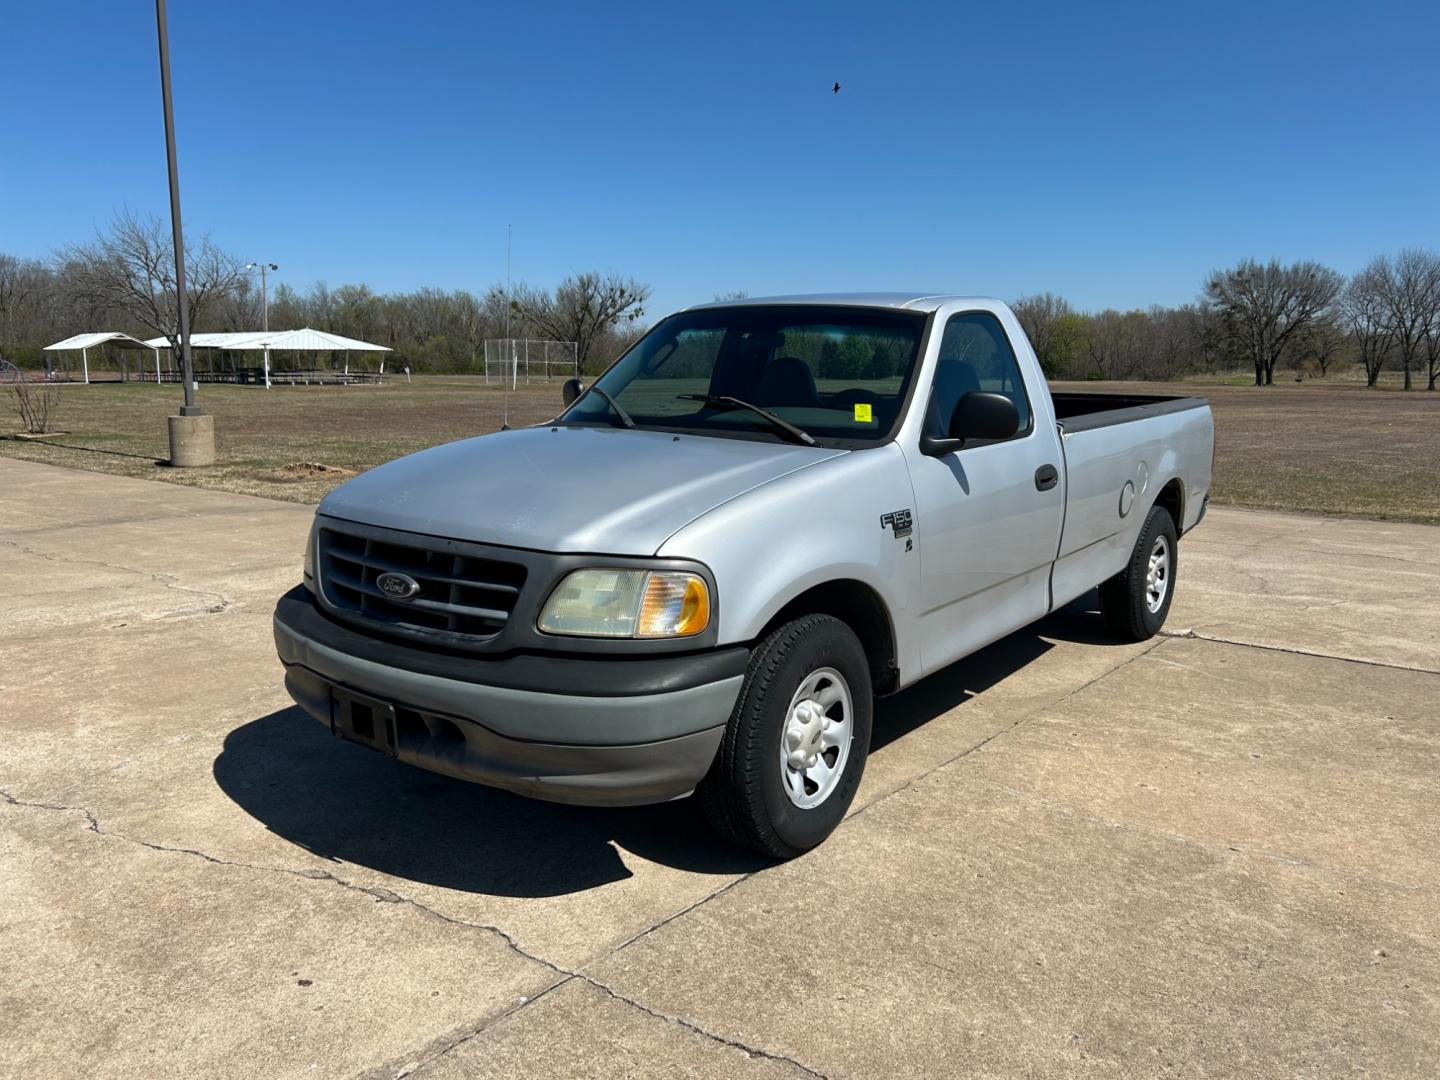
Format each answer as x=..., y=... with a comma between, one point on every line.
x=460, y=595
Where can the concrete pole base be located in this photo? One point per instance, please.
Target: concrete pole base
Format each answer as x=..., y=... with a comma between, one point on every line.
x=192, y=441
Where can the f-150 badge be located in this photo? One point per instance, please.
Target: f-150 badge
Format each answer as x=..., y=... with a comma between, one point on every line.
x=897, y=521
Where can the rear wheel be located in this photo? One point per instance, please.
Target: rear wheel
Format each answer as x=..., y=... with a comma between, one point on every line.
x=1135, y=601
x=795, y=747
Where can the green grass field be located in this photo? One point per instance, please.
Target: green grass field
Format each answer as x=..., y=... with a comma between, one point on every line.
x=1333, y=448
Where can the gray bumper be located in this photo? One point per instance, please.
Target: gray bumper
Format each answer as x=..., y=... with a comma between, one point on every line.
x=594, y=750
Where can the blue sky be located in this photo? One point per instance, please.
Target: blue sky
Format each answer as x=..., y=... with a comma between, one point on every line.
x=1112, y=155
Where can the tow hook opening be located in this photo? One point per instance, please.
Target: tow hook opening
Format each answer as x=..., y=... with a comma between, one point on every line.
x=443, y=734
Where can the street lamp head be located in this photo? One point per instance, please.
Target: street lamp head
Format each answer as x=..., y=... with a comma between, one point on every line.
x=274, y=266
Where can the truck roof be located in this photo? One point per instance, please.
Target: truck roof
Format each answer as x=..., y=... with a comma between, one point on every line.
x=913, y=301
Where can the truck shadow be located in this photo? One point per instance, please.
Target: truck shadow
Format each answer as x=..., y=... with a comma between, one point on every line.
x=895, y=717
x=345, y=803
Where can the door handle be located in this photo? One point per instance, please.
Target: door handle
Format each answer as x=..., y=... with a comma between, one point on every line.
x=1046, y=477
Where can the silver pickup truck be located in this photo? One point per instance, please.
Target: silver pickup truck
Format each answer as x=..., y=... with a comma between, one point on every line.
x=698, y=577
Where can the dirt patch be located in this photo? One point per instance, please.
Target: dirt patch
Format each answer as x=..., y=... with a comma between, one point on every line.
x=37, y=434
x=298, y=472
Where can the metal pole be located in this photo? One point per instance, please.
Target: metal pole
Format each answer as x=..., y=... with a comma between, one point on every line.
x=187, y=367
x=85, y=359
x=157, y=367
x=264, y=302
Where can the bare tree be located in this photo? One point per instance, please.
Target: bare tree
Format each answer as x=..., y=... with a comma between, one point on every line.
x=583, y=307
x=32, y=310
x=1363, y=307
x=1264, y=306
x=1116, y=343
x=1432, y=354
x=1321, y=343
x=1409, y=286
x=130, y=270
x=37, y=404
x=238, y=309
x=1041, y=317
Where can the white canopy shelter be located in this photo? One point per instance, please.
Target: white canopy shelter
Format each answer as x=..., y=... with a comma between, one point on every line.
x=305, y=340
x=210, y=341
x=314, y=341
x=83, y=343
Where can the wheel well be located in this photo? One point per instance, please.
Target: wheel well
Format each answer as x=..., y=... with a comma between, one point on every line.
x=1172, y=498
x=859, y=607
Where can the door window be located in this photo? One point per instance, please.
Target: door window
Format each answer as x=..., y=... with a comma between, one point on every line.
x=975, y=354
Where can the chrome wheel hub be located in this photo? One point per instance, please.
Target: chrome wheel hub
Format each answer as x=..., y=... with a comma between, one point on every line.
x=815, y=741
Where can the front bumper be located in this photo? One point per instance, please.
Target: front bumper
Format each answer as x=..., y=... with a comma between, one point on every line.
x=590, y=731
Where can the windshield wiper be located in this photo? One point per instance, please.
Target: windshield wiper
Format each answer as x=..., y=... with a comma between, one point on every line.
x=785, y=426
x=620, y=413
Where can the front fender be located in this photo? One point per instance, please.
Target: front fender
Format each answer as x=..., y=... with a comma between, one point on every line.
x=820, y=524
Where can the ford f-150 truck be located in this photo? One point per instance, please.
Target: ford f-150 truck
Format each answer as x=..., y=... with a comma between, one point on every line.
x=701, y=573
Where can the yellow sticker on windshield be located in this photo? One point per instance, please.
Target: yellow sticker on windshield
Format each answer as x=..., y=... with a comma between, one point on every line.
x=862, y=412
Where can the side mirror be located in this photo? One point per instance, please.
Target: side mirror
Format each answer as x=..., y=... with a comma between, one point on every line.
x=978, y=416
x=570, y=391
x=981, y=415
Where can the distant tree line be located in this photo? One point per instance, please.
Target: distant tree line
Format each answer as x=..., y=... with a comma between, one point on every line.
x=1260, y=317
x=124, y=280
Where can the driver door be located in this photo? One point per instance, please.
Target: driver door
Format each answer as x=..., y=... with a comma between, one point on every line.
x=987, y=535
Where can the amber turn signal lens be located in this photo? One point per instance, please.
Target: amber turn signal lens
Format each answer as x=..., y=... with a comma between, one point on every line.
x=676, y=604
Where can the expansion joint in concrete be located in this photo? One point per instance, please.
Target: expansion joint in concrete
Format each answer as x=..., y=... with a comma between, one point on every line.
x=1196, y=635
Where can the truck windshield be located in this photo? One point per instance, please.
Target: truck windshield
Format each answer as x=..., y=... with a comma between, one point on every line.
x=833, y=373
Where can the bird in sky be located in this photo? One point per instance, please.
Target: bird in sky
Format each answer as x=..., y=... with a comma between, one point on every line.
x=835, y=89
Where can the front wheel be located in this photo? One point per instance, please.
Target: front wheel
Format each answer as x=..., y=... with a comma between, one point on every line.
x=795, y=746
x=1135, y=601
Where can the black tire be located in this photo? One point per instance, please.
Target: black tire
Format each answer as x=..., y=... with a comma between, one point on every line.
x=1125, y=600
x=744, y=795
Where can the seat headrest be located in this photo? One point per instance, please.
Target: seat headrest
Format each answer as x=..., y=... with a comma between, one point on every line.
x=786, y=380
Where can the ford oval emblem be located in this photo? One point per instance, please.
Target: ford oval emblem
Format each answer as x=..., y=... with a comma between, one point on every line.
x=397, y=586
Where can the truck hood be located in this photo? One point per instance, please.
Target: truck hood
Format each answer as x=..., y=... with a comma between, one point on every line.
x=566, y=489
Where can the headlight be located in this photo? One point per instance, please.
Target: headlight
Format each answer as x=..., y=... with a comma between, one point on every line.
x=628, y=603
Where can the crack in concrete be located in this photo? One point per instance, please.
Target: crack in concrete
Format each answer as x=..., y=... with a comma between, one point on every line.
x=714, y=894
x=580, y=976
x=389, y=896
x=752, y=1051
x=381, y=895
x=218, y=601
x=417, y=1068
x=1349, y=554
x=1195, y=635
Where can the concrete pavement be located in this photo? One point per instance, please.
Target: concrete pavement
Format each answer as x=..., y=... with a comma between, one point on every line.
x=1214, y=854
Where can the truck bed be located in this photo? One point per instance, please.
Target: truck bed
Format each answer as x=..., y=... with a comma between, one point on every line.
x=1084, y=412
x=1112, y=442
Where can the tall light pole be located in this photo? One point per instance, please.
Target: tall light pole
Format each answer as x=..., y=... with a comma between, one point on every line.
x=264, y=296
x=181, y=299
x=192, y=434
